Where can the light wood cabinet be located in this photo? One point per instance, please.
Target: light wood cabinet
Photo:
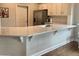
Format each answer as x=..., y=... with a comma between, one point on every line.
x=52, y=9
x=56, y=8
x=59, y=9
x=43, y=6
x=65, y=9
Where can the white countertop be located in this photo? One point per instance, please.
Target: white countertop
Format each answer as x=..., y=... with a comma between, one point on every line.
x=32, y=30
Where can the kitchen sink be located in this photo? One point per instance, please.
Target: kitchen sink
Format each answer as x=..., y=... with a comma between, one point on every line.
x=47, y=25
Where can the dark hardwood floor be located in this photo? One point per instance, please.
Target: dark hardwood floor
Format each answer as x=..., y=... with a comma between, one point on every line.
x=70, y=49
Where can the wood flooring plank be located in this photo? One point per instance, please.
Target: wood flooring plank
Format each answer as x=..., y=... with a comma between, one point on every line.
x=70, y=49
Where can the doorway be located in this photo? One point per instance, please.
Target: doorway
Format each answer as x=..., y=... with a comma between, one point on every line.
x=21, y=16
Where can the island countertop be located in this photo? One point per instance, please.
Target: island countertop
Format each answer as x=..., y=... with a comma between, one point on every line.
x=32, y=30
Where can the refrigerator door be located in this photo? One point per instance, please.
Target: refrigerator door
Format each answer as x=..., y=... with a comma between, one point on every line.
x=40, y=17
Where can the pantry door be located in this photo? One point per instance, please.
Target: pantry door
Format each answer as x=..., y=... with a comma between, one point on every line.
x=21, y=16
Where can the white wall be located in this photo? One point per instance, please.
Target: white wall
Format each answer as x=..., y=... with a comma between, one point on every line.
x=12, y=15
x=76, y=20
x=76, y=13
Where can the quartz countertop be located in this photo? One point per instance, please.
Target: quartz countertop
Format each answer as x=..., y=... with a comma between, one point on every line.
x=32, y=30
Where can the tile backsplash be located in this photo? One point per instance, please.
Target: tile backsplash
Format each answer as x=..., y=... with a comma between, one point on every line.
x=60, y=19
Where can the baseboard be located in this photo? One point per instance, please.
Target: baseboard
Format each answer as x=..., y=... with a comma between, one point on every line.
x=50, y=49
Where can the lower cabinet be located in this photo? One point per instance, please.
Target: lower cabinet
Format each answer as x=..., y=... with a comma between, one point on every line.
x=11, y=46
x=46, y=42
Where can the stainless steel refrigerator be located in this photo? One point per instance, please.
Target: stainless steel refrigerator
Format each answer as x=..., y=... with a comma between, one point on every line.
x=40, y=17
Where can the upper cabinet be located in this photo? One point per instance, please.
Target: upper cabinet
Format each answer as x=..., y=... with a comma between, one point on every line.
x=59, y=9
x=52, y=9
x=66, y=8
x=43, y=6
x=56, y=8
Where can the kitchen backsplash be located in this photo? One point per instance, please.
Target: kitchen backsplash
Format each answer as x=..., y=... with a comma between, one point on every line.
x=59, y=19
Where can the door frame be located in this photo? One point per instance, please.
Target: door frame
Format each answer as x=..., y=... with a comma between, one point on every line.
x=27, y=11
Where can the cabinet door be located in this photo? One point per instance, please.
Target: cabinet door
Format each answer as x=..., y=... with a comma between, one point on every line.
x=43, y=6
x=61, y=36
x=40, y=7
x=65, y=9
x=49, y=9
x=58, y=8
x=52, y=9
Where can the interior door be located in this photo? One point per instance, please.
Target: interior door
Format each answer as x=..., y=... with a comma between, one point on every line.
x=21, y=16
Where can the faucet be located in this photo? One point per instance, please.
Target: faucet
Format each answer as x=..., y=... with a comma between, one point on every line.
x=49, y=21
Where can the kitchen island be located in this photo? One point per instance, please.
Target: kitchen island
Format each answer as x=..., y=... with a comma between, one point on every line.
x=38, y=40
